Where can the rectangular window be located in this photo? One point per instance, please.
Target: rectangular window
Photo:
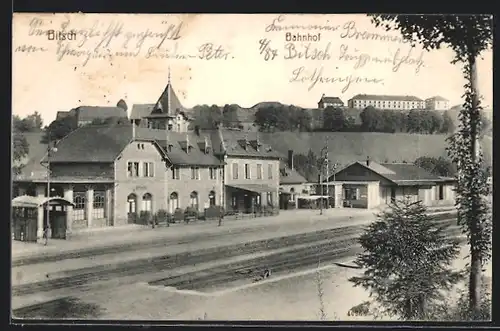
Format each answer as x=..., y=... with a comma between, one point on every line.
x=213, y=173
x=148, y=169
x=235, y=170
x=195, y=173
x=133, y=169
x=441, y=192
x=247, y=171
x=269, y=171
x=259, y=171
x=175, y=173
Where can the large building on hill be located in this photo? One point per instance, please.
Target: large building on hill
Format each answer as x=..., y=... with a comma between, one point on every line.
x=437, y=103
x=396, y=102
x=84, y=115
x=330, y=102
x=166, y=114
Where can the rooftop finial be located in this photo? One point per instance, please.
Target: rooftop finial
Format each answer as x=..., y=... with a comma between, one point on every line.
x=169, y=74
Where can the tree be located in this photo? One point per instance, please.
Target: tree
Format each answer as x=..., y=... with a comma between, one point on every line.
x=20, y=151
x=334, y=119
x=59, y=129
x=448, y=125
x=306, y=165
x=229, y=116
x=389, y=121
x=414, y=123
x=371, y=119
x=407, y=261
x=437, y=121
x=303, y=120
x=122, y=104
x=468, y=36
x=28, y=124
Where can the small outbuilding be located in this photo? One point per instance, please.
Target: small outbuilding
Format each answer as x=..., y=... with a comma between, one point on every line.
x=29, y=217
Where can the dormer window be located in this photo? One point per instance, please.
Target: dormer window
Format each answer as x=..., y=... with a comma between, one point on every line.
x=208, y=149
x=189, y=148
x=169, y=147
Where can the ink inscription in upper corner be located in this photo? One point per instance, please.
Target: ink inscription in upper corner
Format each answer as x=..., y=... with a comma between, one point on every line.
x=345, y=30
x=106, y=40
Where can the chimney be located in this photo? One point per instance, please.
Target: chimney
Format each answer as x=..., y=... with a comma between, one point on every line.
x=133, y=129
x=187, y=142
x=367, y=161
x=290, y=159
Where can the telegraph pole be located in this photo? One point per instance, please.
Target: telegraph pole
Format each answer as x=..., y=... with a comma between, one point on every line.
x=327, y=176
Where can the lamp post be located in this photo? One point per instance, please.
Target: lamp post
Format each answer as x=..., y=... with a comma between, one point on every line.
x=50, y=149
x=223, y=189
x=322, y=160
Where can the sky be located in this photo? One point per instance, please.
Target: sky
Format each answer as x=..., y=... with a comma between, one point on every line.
x=129, y=56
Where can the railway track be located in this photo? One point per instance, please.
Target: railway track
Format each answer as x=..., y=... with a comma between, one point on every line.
x=79, y=277
x=296, y=259
x=290, y=260
x=158, y=242
x=85, y=275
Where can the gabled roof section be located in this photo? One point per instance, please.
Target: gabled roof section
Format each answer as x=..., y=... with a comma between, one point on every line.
x=234, y=146
x=93, y=143
x=331, y=100
x=175, y=145
x=400, y=173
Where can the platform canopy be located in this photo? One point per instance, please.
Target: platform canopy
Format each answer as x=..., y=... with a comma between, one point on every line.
x=34, y=202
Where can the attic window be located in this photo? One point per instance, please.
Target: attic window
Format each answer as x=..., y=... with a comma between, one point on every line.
x=189, y=148
x=208, y=149
x=169, y=147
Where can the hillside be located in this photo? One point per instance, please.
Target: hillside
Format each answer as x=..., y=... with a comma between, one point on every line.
x=346, y=147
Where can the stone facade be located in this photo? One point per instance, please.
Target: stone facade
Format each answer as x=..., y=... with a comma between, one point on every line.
x=235, y=173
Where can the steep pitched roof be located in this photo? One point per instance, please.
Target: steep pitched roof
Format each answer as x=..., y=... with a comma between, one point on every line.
x=141, y=110
x=168, y=103
x=242, y=144
x=331, y=100
x=88, y=113
x=386, y=97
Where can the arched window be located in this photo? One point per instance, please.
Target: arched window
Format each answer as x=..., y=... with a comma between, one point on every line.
x=147, y=202
x=79, y=209
x=194, y=199
x=211, y=198
x=132, y=203
x=174, y=201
